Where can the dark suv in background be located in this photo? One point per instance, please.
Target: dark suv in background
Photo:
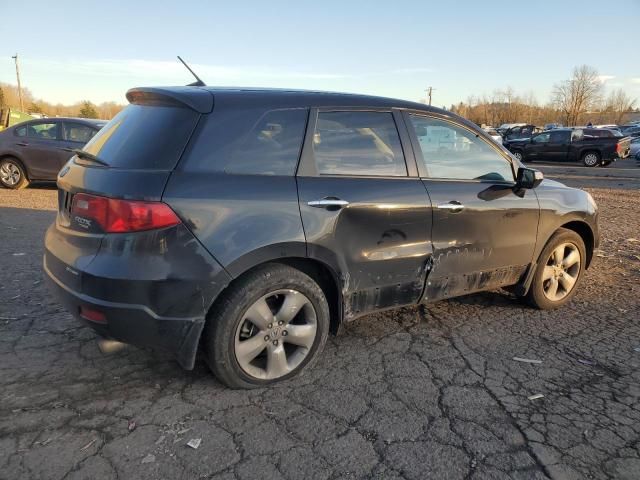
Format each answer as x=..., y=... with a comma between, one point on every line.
x=37, y=149
x=251, y=223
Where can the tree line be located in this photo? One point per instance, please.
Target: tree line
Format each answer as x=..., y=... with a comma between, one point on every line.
x=10, y=98
x=576, y=101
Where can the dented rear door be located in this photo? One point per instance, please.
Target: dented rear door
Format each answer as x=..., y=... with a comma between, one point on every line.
x=363, y=212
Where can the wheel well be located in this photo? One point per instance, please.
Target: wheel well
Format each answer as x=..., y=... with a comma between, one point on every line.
x=327, y=279
x=585, y=233
x=586, y=152
x=24, y=168
x=320, y=273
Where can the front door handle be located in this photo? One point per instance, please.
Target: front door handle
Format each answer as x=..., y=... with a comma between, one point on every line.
x=328, y=203
x=70, y=150
x=22, y=144
x=453, y=206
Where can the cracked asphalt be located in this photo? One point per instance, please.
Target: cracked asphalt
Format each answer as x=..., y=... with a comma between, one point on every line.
x=429, y=392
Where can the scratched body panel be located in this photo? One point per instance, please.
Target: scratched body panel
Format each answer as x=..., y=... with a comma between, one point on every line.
x=380, y=243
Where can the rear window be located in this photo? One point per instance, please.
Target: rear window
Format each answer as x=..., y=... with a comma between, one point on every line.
x=144, y=137
x=248, y=141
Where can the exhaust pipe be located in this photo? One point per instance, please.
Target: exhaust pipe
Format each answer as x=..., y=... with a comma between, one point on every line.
x=110, y=346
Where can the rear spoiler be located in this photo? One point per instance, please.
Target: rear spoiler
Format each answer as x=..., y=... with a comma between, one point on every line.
x=195, y=98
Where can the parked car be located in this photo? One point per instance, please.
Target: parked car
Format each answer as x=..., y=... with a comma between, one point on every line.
x=635, y=147
x=506, y=126
x=630, y=130
x=493, y=133
x=250, y=223
x=552, y=126
x=520, y=132
x=590, y=146
x=37, y=149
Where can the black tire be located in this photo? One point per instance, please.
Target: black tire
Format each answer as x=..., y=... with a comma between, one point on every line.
x=606, y=163
x=219, y=335
x=536, y=295
x=12, y=174
x=590, y=159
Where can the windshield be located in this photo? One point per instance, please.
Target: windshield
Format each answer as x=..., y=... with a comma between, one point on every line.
x=144, y=137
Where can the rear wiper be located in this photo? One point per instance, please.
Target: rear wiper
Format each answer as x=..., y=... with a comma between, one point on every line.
x=89, y=156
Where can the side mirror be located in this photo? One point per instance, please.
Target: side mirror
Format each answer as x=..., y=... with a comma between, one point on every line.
x=528, y=178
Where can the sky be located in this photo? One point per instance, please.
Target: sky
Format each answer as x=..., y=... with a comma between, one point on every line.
x=75, y=50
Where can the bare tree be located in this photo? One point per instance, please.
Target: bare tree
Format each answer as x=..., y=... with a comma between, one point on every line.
x=579, y=94
x=617, y=104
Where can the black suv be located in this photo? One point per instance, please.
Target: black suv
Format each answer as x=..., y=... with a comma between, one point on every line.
x=37, y=149
x=251, y=223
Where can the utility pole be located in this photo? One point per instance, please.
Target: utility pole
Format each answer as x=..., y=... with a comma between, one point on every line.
x=15, y=57
x=429, y=91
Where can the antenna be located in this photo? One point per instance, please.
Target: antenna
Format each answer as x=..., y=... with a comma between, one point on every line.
x=198, y=82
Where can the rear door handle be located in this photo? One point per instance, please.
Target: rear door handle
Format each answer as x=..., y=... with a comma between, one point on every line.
x=453, y=206
x=70, y=150
x=22, y=144
x=328, y=203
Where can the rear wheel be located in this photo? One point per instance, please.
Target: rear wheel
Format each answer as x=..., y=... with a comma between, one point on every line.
x=12, y=174
x=559, y=271
x=591, y=159
x=268, y=327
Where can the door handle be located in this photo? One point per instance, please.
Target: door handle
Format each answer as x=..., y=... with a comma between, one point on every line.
x=328, y=203
x=70, y=150
x=453, y=206
x=22, y=144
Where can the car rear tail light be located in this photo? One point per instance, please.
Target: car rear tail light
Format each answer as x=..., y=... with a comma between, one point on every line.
x=92, y=315
x=120, y=216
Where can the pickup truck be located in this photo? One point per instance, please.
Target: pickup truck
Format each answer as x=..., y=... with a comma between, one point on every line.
x=570, y=145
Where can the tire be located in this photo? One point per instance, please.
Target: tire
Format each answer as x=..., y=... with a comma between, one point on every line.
x=606, y=163
x=518, y=155
x=270, y=286
x=12, y=174
x=541, y=293
x=590, y=159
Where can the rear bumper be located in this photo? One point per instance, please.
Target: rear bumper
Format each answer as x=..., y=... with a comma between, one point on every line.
x=134, y=324
x=153, y=288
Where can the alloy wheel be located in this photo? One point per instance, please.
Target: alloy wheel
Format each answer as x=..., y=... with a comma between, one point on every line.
x=590, y=159
x=561, y=272
x=10, y=174
x=275, y=334
x=518, y=155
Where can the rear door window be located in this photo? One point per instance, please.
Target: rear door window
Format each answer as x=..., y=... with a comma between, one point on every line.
x=78, y=132
x=144, y=137
x=248, y=141
x=559, y=137
x=358, y=143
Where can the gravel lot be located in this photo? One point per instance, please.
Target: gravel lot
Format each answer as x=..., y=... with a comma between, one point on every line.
x=417, y=393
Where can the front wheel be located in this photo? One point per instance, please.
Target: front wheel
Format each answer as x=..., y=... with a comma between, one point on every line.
x=518, y=155
x=268, y=327
x=560, y=268
x=591, y=159
x=12, y=175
